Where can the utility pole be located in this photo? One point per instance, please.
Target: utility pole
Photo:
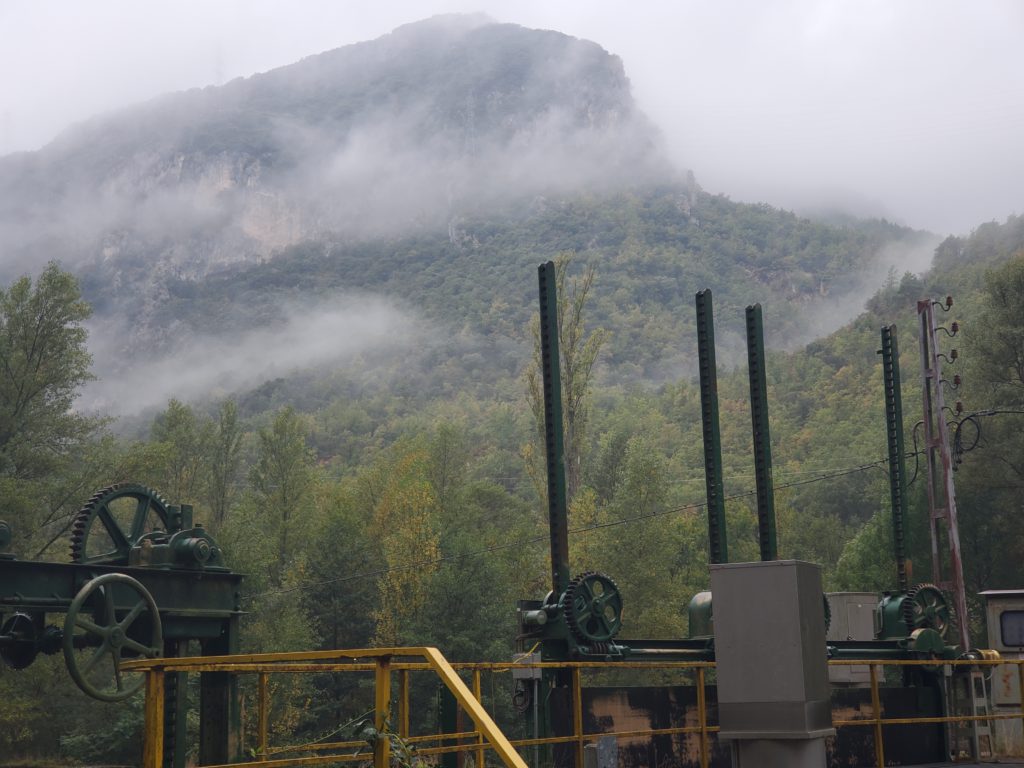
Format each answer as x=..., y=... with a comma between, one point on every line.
x=942, y=516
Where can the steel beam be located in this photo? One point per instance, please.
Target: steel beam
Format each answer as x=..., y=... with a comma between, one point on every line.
x=897, y=456
x=554, y=441
x=766, y=536
x=718, y=547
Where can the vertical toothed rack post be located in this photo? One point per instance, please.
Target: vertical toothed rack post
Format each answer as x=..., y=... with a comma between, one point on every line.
x=766, y=535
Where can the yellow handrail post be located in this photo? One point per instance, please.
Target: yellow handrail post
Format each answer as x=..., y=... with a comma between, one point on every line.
x=479, y=733
x=263, y=710
x=1020, y=691
x=382, y=746
x=153, y=743
x=403, y=703
x=577, y=715
x=702, y=715
x=876, y=708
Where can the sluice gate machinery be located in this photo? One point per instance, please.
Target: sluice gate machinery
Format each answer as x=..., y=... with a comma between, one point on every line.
x=581, y=617
x=144, y=581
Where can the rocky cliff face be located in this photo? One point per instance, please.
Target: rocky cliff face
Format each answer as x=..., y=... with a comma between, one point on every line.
x=438, y=119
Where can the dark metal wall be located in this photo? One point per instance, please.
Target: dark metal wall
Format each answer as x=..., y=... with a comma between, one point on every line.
x=606, y=710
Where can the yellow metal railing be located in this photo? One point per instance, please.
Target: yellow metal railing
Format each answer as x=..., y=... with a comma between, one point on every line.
x=385, y=661
x=877, y=721
x=265, y=663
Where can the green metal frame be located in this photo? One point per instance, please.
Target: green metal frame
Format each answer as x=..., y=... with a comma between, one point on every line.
x=554, y=441
x=897, y=454
x=718, y=546
x=194, y=604
x=766, y=535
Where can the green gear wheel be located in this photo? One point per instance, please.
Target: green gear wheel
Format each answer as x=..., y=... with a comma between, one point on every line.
x=926, y=607
x=125, y=512
x=592, y=606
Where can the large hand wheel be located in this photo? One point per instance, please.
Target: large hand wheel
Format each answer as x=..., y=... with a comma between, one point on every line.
x=107, y=636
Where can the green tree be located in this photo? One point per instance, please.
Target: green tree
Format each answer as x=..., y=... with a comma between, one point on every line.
x=268, y=538
x=579, y=351
x=282, y=482
x=405, y=521
x=278, y=517
x=182, y=444
x=997, y=338
x=43, y=364
x=224, y=460
x=50, y=455
x=446, y=468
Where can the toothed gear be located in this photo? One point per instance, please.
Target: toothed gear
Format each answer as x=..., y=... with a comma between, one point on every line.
x=150, y=514
x=926, y=607
x=592, y=606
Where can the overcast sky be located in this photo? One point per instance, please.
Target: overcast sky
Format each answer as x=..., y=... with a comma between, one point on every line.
x=912, y=109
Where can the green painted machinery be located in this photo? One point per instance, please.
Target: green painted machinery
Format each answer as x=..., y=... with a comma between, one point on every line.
x=581, y=617
x=909, y=622
x=144, y=580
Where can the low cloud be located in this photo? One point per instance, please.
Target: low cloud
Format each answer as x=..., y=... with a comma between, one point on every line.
x=912, y=255
x=212, y=366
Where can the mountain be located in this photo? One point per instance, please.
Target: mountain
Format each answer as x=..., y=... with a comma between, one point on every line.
x=434, y=120
x=394, y=197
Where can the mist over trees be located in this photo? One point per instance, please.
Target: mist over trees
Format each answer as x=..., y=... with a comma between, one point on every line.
x=437, y=162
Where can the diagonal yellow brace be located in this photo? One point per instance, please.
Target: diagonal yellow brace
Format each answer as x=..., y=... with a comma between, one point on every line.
x=470, y=704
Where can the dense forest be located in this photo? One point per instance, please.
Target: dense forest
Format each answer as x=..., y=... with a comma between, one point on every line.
x=362, y=514
x=652, y=245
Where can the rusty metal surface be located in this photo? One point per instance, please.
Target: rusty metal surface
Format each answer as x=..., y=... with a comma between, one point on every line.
x=941, y=490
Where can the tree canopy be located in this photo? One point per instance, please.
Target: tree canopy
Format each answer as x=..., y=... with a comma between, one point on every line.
x=43, y=364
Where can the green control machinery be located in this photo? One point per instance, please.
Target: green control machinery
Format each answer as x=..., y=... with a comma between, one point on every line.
x=581, y=616
x=144, y=580
x=910, y=622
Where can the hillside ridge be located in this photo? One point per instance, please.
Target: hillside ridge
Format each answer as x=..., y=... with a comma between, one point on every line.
x=398, y=134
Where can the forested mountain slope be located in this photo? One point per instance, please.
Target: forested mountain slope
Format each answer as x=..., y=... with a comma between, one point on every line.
x=398, y=134
x=416, y=180
x=474, y=285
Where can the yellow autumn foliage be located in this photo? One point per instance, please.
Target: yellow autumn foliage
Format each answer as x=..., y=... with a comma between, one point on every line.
x=404, y=522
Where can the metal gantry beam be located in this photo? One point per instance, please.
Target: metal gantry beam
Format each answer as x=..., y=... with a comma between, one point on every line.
x=718, y=547
x=766, y=536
